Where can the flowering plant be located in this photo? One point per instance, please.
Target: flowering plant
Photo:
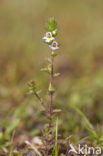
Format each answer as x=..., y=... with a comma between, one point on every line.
x=53, y=45
x=49, y=39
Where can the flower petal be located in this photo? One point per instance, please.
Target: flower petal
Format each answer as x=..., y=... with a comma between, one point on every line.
x=44, y=38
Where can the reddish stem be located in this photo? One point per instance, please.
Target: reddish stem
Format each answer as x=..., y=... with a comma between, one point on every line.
x=51, y=94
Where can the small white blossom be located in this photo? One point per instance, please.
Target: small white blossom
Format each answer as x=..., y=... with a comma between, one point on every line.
x=48, y=37
x=54, y=45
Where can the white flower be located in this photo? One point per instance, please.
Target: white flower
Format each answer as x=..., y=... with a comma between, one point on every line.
x=54, y=45
x=48, y=37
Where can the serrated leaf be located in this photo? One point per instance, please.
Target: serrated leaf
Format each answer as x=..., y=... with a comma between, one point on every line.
x=57, y=110
x=30, y=92
x=44, y=69
x=53, y=54
x=51, y=88
x=48, y=59
x=39, y=91
x=51, y=24
x=56, y=74
x=31, y=85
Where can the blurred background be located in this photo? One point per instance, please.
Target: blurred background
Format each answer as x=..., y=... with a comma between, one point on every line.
x=80, y=62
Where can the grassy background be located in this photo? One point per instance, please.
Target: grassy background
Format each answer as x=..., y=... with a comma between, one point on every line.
x=22, y=54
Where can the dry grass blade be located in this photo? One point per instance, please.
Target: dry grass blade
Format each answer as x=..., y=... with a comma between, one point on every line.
x=34, y=148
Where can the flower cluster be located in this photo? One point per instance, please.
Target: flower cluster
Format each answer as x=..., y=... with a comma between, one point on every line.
x=49, y=38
